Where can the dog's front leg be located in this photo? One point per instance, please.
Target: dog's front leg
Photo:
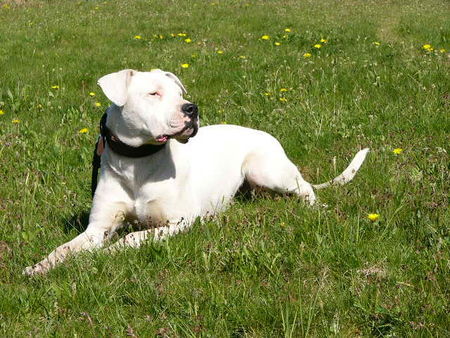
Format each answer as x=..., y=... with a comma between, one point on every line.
x=107, y=214
x=137, y=238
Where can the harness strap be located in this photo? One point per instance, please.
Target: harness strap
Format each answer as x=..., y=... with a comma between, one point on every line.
x=117, y=146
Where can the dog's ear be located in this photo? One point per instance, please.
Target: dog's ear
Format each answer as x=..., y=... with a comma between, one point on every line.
x=177, y=81
x=115, y=85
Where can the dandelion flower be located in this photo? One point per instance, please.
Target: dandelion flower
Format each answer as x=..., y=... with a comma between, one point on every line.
x=284, y=90
x=185, y=65
x=98, y=104
x=317, y=45
x=2, y=112
x=15, y=121
x=182, y=34
x=376, y=43
x=187, y=40
x=265, y=37
x=55, y=87
x=323, y=40
x=442, y=50
x=220, y=52
x=282, y=99
x=137, y=37
x=277, y=43
x=173, y=35
x=242, y=57
x=91, y=94
x=397, y=151
x=373, y=217
x=287, y=30
x=427, y=47
x=83, y=131
x=267, y=94
x=307, y=55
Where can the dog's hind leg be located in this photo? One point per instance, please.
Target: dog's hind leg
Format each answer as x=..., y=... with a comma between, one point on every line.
x=272, y=169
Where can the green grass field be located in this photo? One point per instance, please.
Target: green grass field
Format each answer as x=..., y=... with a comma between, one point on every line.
x=329, y=78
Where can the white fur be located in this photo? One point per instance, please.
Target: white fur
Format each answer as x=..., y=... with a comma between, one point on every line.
x=170, y=189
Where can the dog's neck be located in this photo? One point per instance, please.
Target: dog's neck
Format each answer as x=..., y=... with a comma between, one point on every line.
x=118, y=138
x=122, y=128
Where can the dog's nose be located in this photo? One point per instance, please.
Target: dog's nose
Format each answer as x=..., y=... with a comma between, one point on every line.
x=190, y=110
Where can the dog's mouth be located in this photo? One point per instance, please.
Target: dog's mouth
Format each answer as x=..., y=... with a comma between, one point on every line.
x=189, y=130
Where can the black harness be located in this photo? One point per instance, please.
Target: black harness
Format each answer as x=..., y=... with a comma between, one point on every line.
x=118, y=147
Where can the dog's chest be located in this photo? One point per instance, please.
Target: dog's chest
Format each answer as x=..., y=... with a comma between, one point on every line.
x=150, y=212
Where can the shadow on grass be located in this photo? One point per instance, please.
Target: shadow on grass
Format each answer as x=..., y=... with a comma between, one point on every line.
x=78, y=222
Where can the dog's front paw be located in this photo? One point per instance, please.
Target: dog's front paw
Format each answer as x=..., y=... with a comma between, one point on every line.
x=37, y=269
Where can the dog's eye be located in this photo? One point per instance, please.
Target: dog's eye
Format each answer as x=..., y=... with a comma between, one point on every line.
x=153, y=93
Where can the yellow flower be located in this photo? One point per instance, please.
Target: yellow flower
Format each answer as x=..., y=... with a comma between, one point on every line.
x=376, y=43
x=307, y=55
x=323, y=40
x=181, y=34
x=137, y=37
x=373, y=217
x=185, y=65
x=83, y=131
x=287, y=30
x=55, y=87
x=173, y=35
x=265, y=37
x=187, y=40
x=442, y=50
x=267, y=94
x=242, y=57
x=220, y=52
x=98, y=104
x=282, y=99
x=427, y=47
x=317, y=45
x=161, y=36
x=91, y=94
x=15, y=121
x=277, y=43
x=2, y=112
x=284, y=90
x=397, y=151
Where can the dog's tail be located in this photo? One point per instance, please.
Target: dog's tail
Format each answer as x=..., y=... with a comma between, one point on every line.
x=348, y=174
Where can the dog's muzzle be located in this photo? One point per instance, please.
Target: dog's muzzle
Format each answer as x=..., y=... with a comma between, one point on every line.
x=190, y=110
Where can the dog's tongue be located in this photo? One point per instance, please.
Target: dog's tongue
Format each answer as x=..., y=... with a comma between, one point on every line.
x=162, y=138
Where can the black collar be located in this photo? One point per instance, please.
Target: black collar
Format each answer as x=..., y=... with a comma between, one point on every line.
x=124, y=149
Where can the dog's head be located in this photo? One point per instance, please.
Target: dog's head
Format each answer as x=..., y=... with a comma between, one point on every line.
x=152, y=104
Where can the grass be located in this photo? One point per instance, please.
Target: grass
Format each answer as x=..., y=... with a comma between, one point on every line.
x=269, y=266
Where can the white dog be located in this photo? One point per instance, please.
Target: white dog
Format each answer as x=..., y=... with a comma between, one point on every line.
x=150, y=173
